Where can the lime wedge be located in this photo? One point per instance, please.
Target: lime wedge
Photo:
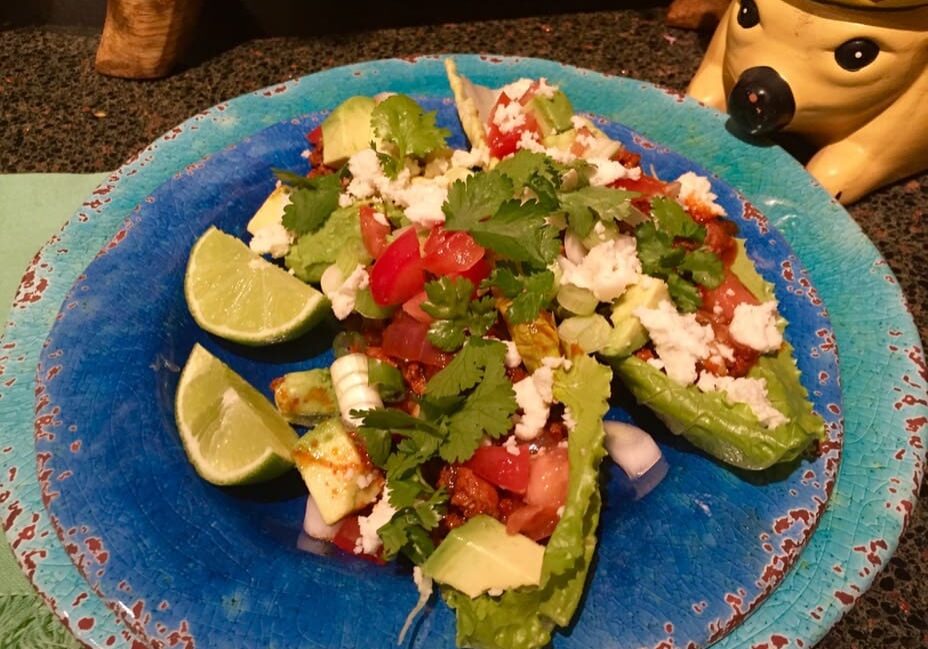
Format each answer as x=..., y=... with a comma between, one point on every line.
x=231, y=432
x=234, y=293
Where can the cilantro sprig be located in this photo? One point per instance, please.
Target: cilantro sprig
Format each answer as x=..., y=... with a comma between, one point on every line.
x=401, y=122
x=529, y=294
x=681, y=268
x=467, y=400
x=312, y=200
x=457, y=315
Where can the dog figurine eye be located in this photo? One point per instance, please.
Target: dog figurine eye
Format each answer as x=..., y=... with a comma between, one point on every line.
x=748, y=15
x=856, y=53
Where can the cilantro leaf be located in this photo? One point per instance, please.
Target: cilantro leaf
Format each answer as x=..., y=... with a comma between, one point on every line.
x=456, y=315
x=487, y=411
x=673, y=220
x=324, y=182
x=603, y=202
x=524, y=164
x=401, y=121
x=518, y=231
x=656, y=251
x=529, y=293
x=544, y=190
x=466, y=369
x=405, y=533
x=704, y=266
x=309, y=209
x=475, y=198
x=684, y=293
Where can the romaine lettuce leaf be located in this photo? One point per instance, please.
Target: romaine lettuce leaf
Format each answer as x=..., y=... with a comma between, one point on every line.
x=730, y=432
x=314, y=252
x=526, y=617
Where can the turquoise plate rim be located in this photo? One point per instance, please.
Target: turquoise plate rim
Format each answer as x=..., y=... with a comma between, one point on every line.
x=882, y=363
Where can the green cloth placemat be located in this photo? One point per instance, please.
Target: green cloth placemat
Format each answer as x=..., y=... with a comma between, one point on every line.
x=32, y=208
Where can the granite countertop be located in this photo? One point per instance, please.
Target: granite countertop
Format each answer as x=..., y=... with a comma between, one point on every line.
x=58, y=115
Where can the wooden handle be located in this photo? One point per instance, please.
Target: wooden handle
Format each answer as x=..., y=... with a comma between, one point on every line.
x=143, y=39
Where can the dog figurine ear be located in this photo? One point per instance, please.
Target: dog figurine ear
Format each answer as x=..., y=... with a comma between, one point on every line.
x=849, y=76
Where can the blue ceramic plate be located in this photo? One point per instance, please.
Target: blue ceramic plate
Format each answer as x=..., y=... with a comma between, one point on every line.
x=181, y=559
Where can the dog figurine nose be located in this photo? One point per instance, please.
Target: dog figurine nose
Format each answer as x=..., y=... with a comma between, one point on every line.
x=761, y=102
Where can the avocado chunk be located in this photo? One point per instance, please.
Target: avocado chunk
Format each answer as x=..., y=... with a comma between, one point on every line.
x=347, y=130
x=334, y=471
x=305, y=398
x=553, y=113
x=271, y=211
x=480, y=556
x=628, y=334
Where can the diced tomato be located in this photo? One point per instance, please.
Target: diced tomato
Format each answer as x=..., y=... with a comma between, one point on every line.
x=373, y=233
x=407, y=338
x=647, y=186
x=726, y=296
x=547, y=480
x=413, y=306
x=397, y=274
x=476, y=273
x=502, y=144
x=347, y=538
x=537, y=523
x=720, y=239
x=315, y=136
x=448, y=253
x=502, y=468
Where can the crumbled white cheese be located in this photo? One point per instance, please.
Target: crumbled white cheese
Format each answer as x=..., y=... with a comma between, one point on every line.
x=697, y=189
x=517, y=88
x=422, y=202
x=607, y=270
x=752, y=392
x=272, y=239
x=479, y=156
x=545, y=89
x=343, y=294
x=534, y=396
x=495, y=592
x=569, y=420
x=555, y=362
x=679, y=340
x=345, y=199
x=509, y=117
x=513, y=357
x=380, y=515
x=381, y=218
x=366, y=173
x=511, y=445
x=755, y=326
x=305, y=154
x=609, y=171
x=529, y=141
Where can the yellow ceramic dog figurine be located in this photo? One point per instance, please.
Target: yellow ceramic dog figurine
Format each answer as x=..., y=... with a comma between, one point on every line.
x=851, y=77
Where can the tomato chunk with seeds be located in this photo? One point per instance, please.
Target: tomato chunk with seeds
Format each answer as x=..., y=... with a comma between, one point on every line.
x=397, y=274
x=497, y=465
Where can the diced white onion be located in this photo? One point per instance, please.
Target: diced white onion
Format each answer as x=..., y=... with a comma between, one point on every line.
x=631, y=448
x=313, y=524
x=352, y=388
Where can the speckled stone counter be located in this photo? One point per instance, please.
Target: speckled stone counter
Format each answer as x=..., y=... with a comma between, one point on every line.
x=57, y=114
